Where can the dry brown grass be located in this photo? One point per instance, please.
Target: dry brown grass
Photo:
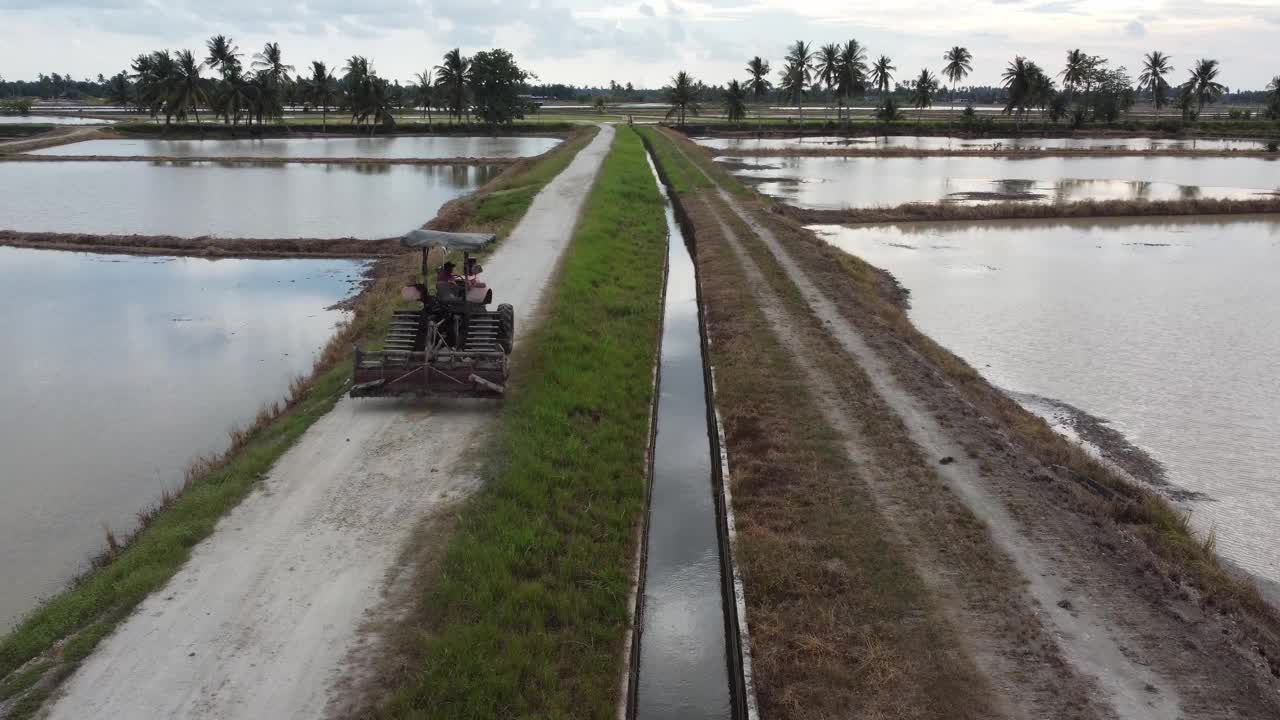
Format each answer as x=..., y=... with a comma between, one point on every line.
x=935, y=212
x=841, y=624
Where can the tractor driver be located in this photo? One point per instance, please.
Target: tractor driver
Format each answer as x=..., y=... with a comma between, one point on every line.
x=447, y=283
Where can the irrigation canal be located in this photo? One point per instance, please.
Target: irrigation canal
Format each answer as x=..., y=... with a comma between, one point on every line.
x=686, y=659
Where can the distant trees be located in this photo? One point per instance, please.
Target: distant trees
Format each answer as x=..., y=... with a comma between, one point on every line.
x=851, y=77
x=1020, y=79
x=1273, y=98
x=494, y=82
x=424, y=92
x=682, y=96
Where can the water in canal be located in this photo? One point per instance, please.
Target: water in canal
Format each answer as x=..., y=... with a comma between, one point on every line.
x=243, y=199
x=51, y=120
x=683, y=659
x=434, y=146
x=841, y=182
x=118, y=371
x=1167, y=330
x=929, y=142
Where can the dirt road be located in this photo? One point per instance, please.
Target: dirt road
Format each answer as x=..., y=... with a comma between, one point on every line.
x=259, y=621
x=61, y=136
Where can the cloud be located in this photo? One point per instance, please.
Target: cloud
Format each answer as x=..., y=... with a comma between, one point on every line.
x=645, y=9
x=1135, y=29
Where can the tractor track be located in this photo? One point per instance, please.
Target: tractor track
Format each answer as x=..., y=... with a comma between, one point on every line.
x=265, y=619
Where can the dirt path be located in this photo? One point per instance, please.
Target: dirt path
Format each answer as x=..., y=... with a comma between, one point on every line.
x=259, y=621
x=1147, y=655
x=60, y=136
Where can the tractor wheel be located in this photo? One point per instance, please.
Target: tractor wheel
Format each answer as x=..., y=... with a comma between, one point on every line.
x=506, y=327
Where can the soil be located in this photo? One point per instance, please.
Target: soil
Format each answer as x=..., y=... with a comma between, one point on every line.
x=259, y=160
x=205, y=247
x=1129, y=630
x=266, y=618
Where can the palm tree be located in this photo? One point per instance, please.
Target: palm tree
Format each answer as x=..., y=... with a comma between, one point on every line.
x=1076, y=70
x=1155, y=65
x=269, y=60
x=735, y=101
x=453, y=74
x=118, y=90
x=683, y=96
x=1273, y=98
x=156, y=78
x=188, y=89
x=223, y=54
x=959, y=65
x=1019, y=79
x=1204, y=83
x=827, y=65
x=797, y=75
x=423, y=92
x=852, y=78
x=882, y=73
x=759, y=84
x=321, y=89
x=922, y=97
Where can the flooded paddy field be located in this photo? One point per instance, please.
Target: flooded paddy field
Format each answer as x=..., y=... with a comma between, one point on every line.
x=1164, y=331
x=927, y=142
x=226, y=199
x=394, y=147
x=120, y=370
x=841, y=182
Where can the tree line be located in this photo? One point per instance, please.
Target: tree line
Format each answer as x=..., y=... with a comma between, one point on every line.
x=1090, y=91
x=486, y=86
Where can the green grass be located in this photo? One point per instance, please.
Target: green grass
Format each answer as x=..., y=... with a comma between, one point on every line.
x=528, y=613
x=680, y=173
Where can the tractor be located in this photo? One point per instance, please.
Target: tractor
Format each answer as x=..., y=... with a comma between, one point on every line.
x=454, y=345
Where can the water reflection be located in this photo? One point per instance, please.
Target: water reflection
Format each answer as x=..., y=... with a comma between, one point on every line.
x=230, y=199
x=119, y=370
x=338, y=147
x=1167, y=329
x=835, y=183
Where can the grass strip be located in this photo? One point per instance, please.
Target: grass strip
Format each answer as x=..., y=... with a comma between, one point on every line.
x=527, y=613
x=68, y=626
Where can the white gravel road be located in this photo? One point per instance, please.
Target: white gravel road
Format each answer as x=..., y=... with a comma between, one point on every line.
x=259, y=621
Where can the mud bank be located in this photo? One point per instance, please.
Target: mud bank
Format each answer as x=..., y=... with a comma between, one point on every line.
x=206, y=247
x=943, y=212
x=232, y=160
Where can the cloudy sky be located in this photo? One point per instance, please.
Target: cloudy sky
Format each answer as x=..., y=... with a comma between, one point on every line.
x=643, y=42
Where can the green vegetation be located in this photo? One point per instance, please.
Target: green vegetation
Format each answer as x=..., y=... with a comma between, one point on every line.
x=527, y=615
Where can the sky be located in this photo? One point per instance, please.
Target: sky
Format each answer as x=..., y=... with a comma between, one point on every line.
x=590, y=42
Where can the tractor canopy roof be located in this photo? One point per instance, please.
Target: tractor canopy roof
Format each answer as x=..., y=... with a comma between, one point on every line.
x=469, y=242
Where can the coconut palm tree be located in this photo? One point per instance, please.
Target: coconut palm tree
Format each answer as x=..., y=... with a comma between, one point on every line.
x=155, y=78
x=1019, y=80
x=1273, y=98
x=959, y=65
x=1076, y=71
x=882, y=74
x=735, y=102
x=758, y=84
x=922, y=96
x=453, y=75
x=852, y=78
x=322, y=90
x=187, y=89
x=269, y=61
x=797, y=76
x=1204, y=83
x=118, y=90
x=423, y=92
x=826, y=66
x=1155, y=65
x=223, y=54
x=682, y=96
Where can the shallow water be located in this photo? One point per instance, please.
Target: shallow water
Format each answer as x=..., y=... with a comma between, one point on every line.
x=683, y=671
x=838, y=182
x=928, y=142
x=50, y=120
x=339, y=147
x=1168, y=330
x=258, y=200
x=119, y=371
